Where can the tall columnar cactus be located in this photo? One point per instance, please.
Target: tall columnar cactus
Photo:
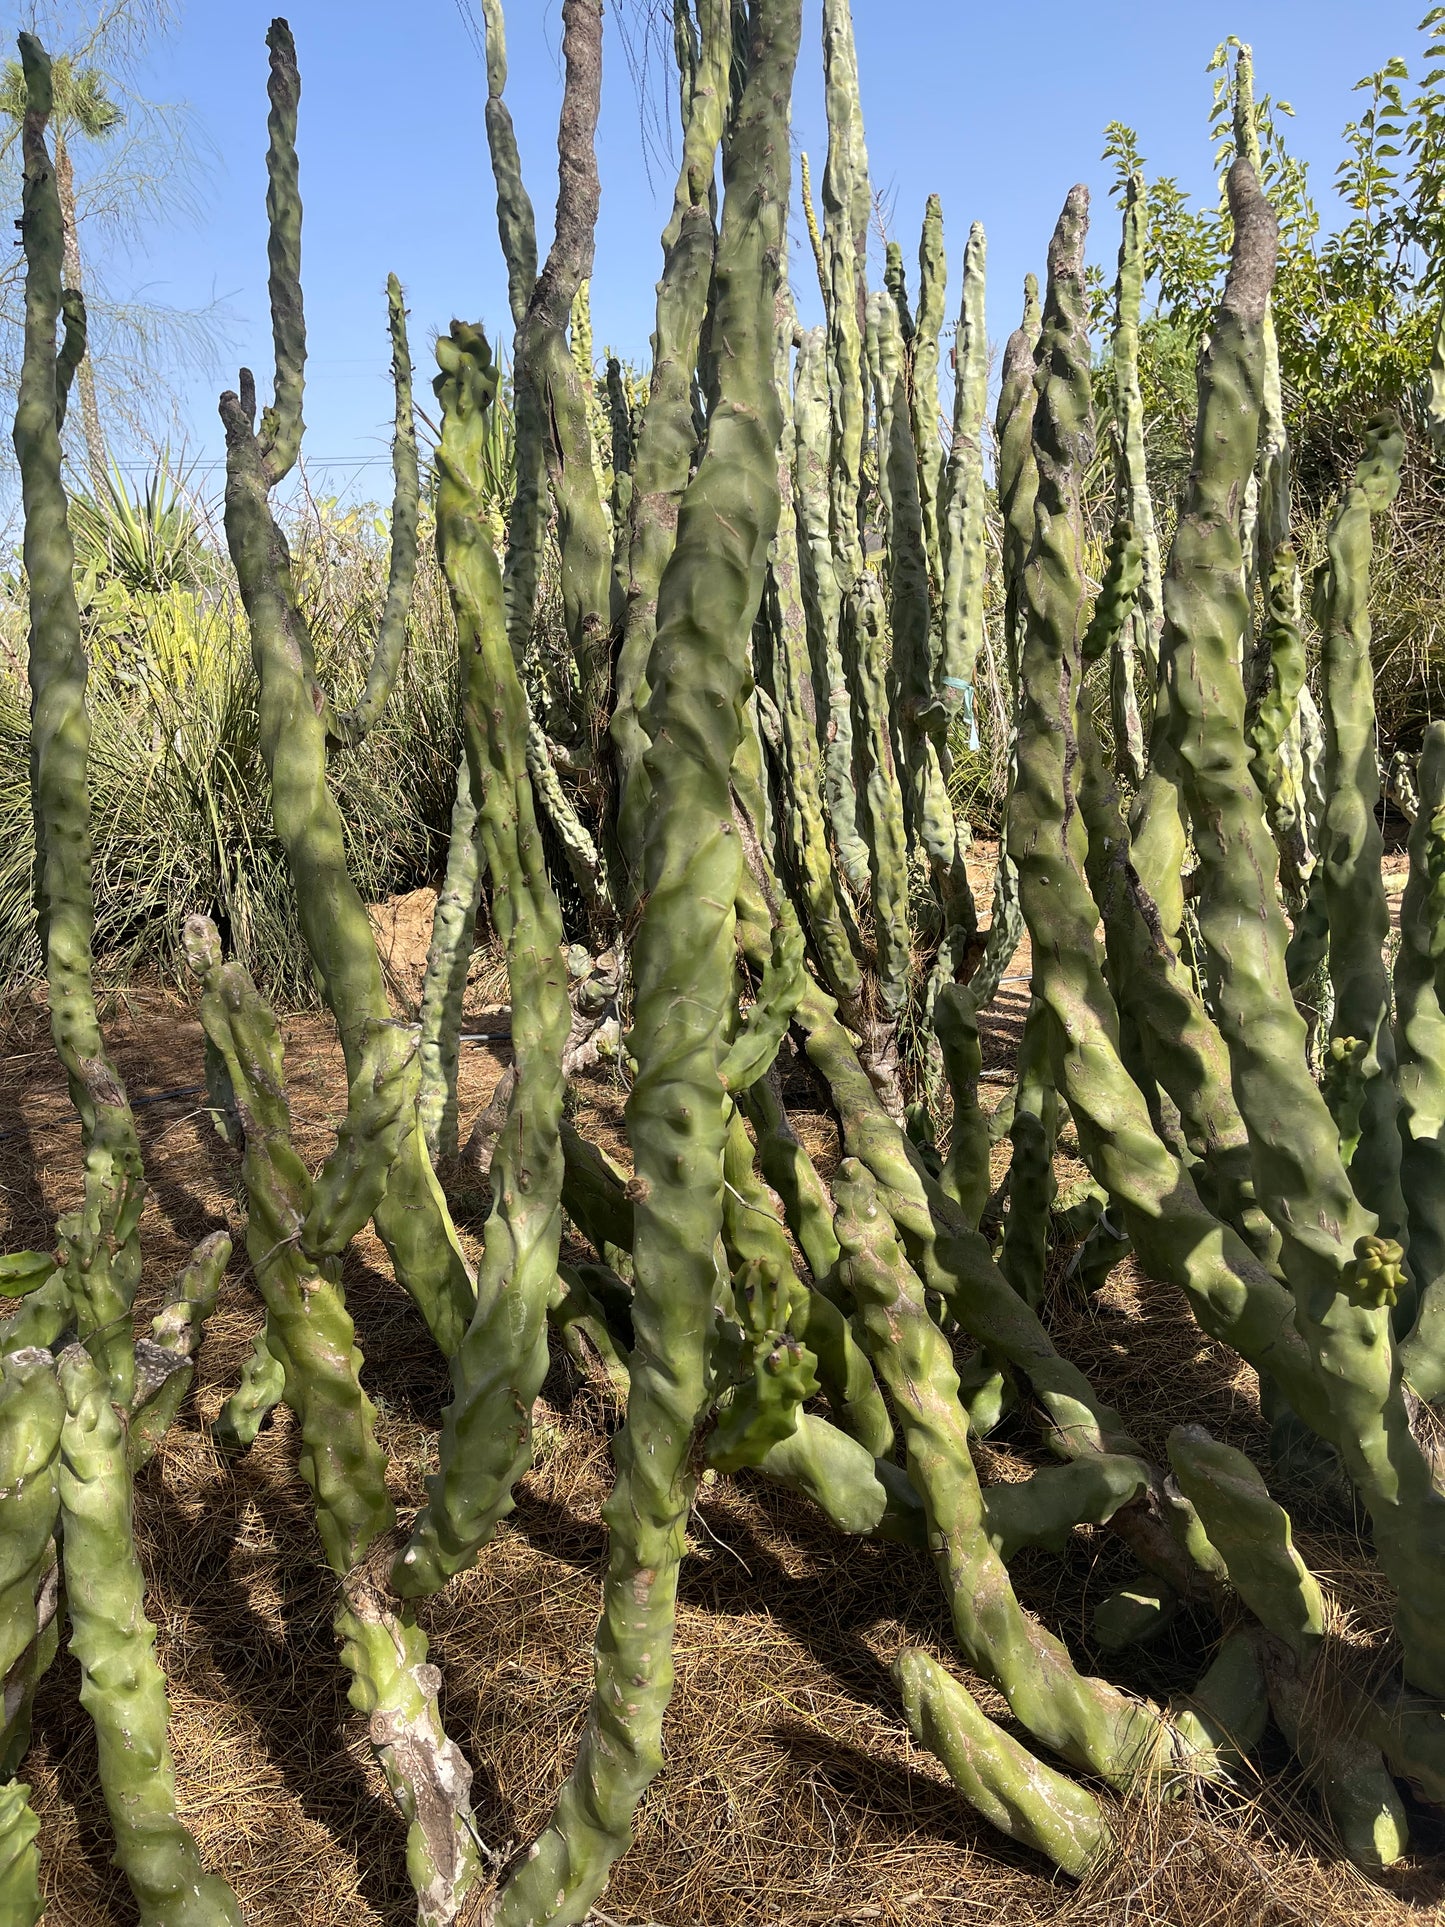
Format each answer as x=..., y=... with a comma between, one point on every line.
x=923, y=384
x=498, y=1369
x=545, y=361
x=822, y=598
x=101, y=1240
x=963, y=537
x=666, y=436
x=399, y=1186
x=1351, y=845
x=1343, y=1277
x=1420, y=1057
x=799, y=751
x=686, y=1001
x=1138, y=640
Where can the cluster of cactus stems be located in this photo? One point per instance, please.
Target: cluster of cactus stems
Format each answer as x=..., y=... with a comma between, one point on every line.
x=773, y=586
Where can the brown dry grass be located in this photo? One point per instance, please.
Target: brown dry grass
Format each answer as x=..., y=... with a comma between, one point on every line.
x=792, y=1792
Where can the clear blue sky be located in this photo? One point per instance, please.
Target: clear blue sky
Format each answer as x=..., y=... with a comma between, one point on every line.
x=997, y=107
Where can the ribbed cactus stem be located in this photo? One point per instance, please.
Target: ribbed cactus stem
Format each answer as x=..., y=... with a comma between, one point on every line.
x=1352, y=848
x=309, y=1333
x=921, y=717
x=1031, y=1187
x=923, y=383
x=812, y=860
x=498, y=1369
x=121, y=1684
x=963, y=536
x=1232, y=1295
x=20, y=1901
x=1136, y=649
x=1342, y=1277
x=666, y=435
x=822, y=600
x=998, y=1777
x=810, y=221
x=100, y=1241
x=32, y=1412
x=1253, y=1536
x=545, y=362
x=1085, y=1721
x=684, y=1006
x=351, y=725
x=1420, y=1055
x=444, y=985
x=385, y=1171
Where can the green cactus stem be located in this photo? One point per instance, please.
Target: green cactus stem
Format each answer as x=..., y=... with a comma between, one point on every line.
x=309, y=1334
x=32, y=1412
x=165, y=1362
x=1420, y=1055
x=544, y=362
x=588, y=1336
x=349, y=726
x=1137, y=640
x=448, y=958
x=822, y=600
x=1224, y=1717
x=1252, y=1534
x=497, y=1371
x=395, y=1178
x=1232, y=1295
x=754, y=1237
x=684, y=1006
x=804, y=779
x=100, y=1241
x=666, y=436
x=1032, y=1134
x=1276, y=762
x=922, y=719
x=1085, y=1721
x=790, y=1171
x=261, y=1390
x=998, y=1777
x=1160, y=1007
x=396, y=1686
x=20, y=1901
x=308, y=1329
x=858, y=1493
x=1300, y=1178
x=963, y=538
x=121, y=1685
x=923, y=408
x=1352, y=849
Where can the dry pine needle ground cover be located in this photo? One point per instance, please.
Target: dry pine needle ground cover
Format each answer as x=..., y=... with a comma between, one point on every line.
x=792, y=1792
